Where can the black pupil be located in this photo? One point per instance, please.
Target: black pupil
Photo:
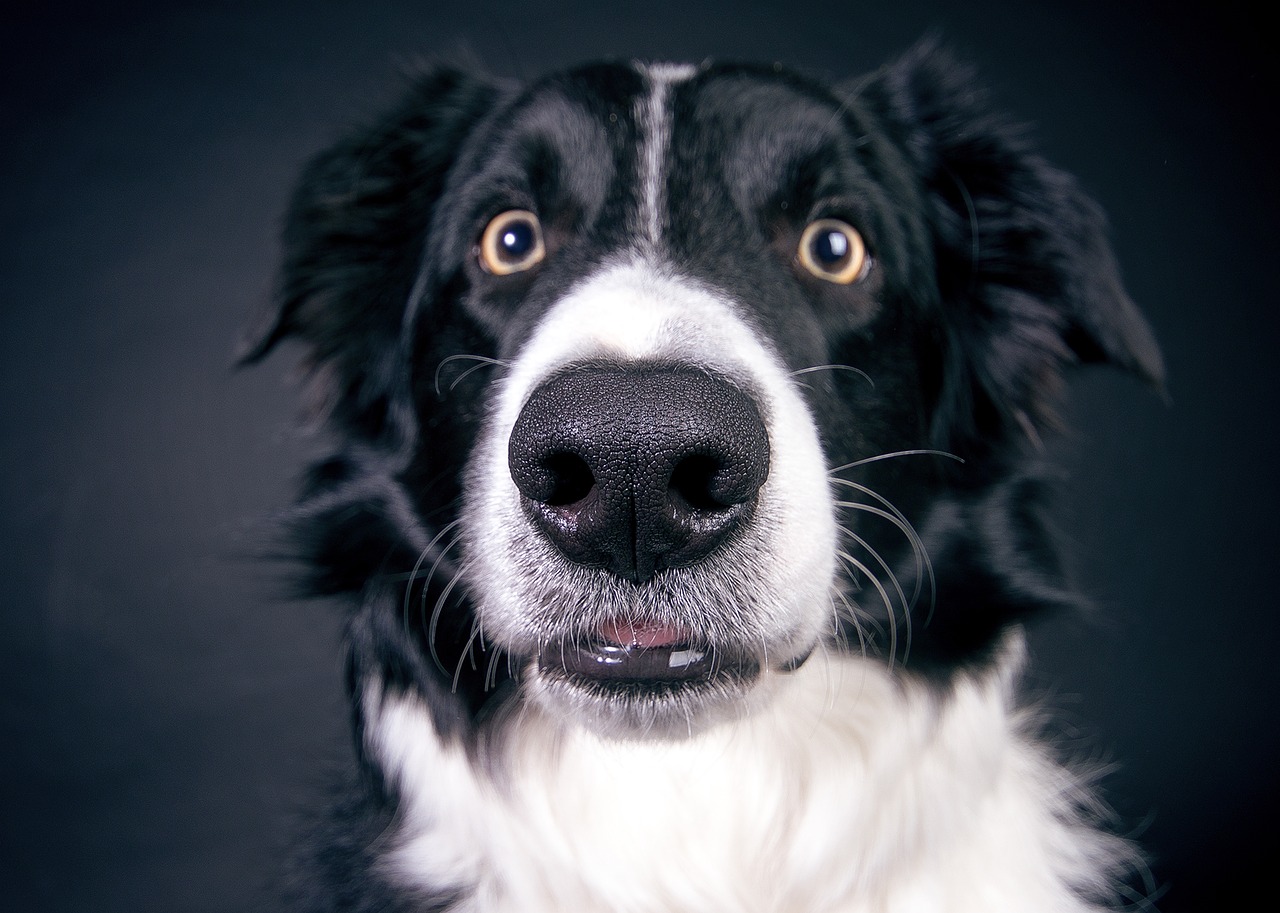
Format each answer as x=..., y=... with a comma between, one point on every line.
x=830, y=247
x=517, y=239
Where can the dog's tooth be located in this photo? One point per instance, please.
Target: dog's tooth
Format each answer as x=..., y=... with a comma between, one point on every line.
x=679, y=659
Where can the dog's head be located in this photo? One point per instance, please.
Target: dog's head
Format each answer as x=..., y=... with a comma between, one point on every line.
x=650, y=381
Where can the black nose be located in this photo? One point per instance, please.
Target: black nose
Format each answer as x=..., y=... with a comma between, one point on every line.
x=638, y=468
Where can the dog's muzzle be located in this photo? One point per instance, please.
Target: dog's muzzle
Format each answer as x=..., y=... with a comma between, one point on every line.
x=635, y=470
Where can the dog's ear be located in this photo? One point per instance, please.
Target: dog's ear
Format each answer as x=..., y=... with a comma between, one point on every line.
x=1027, y=279
x=353, y=241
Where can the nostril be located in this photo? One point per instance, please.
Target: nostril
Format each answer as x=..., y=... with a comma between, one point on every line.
x=570, y=479
x=693, y=481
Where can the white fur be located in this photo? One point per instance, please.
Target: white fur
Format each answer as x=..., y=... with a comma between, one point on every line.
x=850, y=792
x=653, y=115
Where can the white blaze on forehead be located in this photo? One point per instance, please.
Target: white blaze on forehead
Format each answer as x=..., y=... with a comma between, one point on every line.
x=653, y=114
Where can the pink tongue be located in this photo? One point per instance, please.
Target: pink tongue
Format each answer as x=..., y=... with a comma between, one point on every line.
x=626, y=634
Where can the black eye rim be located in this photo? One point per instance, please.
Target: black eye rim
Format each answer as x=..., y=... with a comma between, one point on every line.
x=494, y=259
x=851, y=267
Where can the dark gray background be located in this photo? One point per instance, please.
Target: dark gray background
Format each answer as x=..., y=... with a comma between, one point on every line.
x=163, y=708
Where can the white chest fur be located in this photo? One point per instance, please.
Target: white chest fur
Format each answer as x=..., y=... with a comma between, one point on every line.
x=848, y=791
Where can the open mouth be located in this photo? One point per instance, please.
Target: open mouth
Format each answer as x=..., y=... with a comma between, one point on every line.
x=648, y=680
x=629, y=655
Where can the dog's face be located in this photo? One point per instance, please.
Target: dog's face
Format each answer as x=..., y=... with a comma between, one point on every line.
x=636, y=370
x=649, y=523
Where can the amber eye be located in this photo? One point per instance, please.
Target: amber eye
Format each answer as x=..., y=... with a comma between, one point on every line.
x=511, y=243
x=833, y=250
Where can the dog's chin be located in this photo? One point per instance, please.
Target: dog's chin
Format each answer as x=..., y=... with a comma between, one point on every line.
x=644, y=708
x=646, y=687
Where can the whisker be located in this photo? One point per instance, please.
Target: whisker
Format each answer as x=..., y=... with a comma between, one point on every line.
x=898, y=519
x=917, y=547
x=853, y=620
x=466, y=651
x=481, y=360
x=426, y=586
x=408, y=590
x=408, y=587
x=884, y=566
x=892, y=617
x=491, y=674
x=493, y=657
x=891, y=456
x=815, y=368
x=435, y=620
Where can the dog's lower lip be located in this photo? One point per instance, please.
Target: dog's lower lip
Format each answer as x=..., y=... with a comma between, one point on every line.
x=626, y=652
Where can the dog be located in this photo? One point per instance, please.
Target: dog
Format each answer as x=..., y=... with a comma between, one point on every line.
x=687, y=492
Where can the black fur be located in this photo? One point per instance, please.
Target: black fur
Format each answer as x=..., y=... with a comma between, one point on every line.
x=993, y=277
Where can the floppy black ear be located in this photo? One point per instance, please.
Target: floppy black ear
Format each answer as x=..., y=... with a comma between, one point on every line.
x=353, y=240
x=1028, y=281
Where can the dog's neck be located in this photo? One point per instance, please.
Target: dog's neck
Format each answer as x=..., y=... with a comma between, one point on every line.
x=921, y=799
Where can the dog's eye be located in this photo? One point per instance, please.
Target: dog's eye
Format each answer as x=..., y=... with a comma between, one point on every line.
x=512, y=243
x=833, y=250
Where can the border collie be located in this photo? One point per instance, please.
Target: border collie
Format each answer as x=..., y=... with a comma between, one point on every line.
x=687, y=492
